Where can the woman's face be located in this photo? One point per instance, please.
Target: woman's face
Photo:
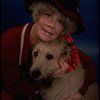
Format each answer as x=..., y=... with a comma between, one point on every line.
x=49, y=26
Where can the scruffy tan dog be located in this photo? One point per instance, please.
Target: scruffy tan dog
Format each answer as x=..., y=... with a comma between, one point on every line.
x=45, y=60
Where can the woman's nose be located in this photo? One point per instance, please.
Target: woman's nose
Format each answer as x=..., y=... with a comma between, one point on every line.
x=52, y=23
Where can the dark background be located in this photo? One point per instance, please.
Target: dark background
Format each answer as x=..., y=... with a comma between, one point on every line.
x=13, y=14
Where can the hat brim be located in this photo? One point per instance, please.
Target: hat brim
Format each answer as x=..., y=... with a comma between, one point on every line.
x=80, y=28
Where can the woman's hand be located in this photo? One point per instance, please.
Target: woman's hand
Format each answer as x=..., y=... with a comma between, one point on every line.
x=62, y=70
x=76, y=96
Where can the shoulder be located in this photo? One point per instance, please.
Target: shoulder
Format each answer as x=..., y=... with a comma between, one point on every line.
x=84, y=56
x=12, y=36
x=13, y=31
x=86, y=59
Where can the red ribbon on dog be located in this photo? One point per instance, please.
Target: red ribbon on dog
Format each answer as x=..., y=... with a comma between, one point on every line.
x=74, y=55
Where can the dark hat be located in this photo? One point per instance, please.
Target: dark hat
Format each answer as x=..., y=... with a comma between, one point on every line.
x=67, y=7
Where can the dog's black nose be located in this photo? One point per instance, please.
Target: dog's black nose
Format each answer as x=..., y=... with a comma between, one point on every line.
x=36, y=73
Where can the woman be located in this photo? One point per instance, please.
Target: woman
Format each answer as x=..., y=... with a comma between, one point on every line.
x=52, y=19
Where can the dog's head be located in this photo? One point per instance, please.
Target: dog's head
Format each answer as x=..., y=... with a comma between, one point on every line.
x=46, y=56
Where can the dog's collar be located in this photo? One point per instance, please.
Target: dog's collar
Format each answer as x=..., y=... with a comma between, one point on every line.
x=74, y=54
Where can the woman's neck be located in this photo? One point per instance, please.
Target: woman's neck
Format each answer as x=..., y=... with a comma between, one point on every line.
x=33, y=36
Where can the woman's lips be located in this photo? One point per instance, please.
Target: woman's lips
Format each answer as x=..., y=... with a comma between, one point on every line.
x=50, y=33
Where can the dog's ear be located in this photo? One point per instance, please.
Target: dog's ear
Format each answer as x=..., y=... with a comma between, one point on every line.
x=66, y=52
x=65, y=45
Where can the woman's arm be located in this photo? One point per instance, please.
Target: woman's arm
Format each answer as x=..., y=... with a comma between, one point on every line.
x=90, y=74
x=11, y=73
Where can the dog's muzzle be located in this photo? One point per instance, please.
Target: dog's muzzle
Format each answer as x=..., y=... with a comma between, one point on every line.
x=46, y=81
x=35, y=74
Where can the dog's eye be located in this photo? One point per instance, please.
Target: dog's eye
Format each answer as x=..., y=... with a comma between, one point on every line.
x=49, y=56
x=35, y=53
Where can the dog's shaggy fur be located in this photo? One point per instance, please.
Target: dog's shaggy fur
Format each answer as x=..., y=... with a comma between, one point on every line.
x=45, y=60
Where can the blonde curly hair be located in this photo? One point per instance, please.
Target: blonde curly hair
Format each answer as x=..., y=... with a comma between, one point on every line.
x=39, y=8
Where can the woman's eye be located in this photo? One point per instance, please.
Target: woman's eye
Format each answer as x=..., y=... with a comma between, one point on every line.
x=48, y=15
x=60, y=21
